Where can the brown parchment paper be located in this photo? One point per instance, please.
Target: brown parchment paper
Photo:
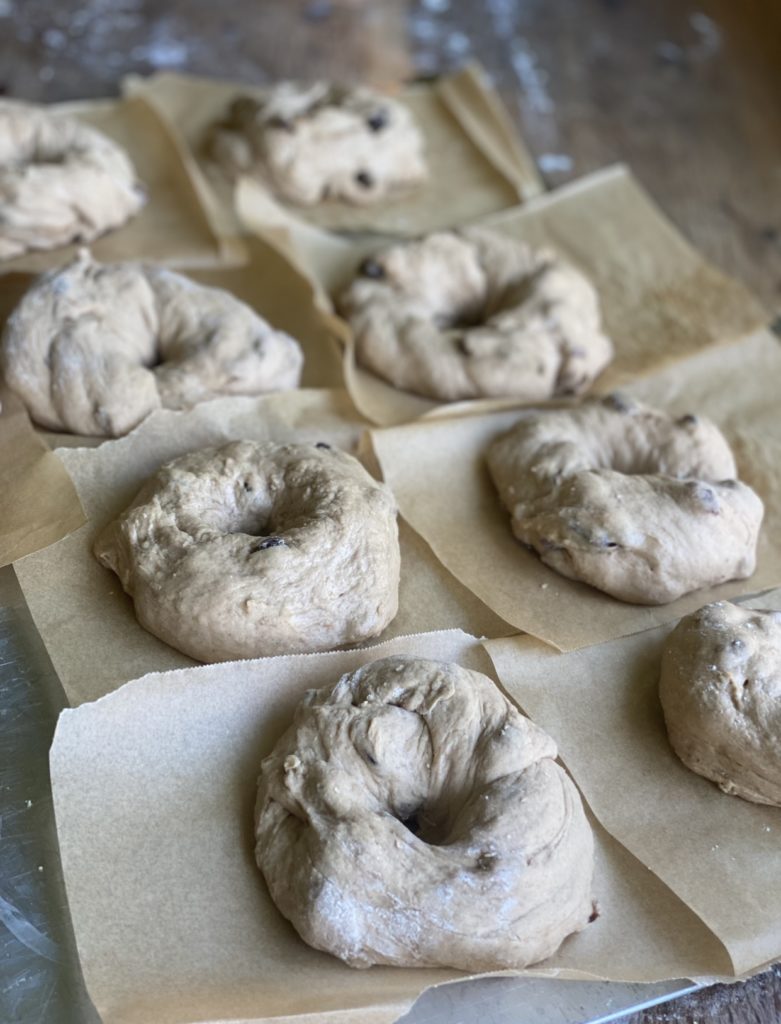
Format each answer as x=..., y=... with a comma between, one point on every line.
x=27, y=469
x=153, y=792
x=86, y=620
x=720, y=854
x=478, y=164
x=437, y=471
x=661, y=301
x=174, y=226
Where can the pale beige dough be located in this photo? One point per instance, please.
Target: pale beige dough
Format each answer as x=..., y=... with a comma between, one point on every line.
x=94, y=348
x=256, y=548
x=470, y=314
x=322, y=141
x=412, y=816
x=60, y=181
x=720, y=689
x=624, y=497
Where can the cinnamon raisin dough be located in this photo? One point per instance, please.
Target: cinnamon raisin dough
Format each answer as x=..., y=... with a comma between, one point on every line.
x=322, y=141
x=470, y=314
x=412, y=816
x=94, y=348
x=720, y=689
x=631, y=500
x=252, y=548
x=60, y=181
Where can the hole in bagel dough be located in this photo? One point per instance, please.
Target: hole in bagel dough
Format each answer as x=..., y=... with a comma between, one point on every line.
x=478, y=311
x=412, y=823
x=250, y=511
x=255, y=523
x=155, y=358
x=463, y=318
x=425, y=825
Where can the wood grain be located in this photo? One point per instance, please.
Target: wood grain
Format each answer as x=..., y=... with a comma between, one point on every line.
x=689, y=95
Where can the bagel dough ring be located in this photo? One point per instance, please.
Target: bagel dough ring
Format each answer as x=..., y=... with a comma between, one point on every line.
x=252, y=549
x=471, y=314
x=412, y=816
x=720, y=689
x=638, y=504
x=94, y=348
x=60, y=181
x=322, y=141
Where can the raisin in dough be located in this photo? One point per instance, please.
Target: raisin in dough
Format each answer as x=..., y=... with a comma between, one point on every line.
x=624, y=497
x=412, y=816
x=720, y=689
x=471, y=314
x=252, y=548
x=322, y=141
x=94, y=348
x=60, y=181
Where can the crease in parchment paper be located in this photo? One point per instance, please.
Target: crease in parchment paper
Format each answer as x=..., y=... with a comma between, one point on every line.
x=171, y=917
x=28, y=470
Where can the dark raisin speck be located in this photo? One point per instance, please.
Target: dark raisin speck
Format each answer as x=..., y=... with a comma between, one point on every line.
x=281, y=123
x=594, y=913
x=486, y=861
x=689, y=420
x=377, y=121
x=705, y=497
x=322, y=444
x=619, y=402
x=371, y=268
x=364, y=179
x=271, y=542
x=246, y=485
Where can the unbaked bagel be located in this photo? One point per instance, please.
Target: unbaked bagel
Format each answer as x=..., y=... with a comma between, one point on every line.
x=631, y=500
x=322, y=141
x=94, y=348
x=470, y=314
x=720, y=689
x=60, y=181
x=256, y=548
x=412, y=816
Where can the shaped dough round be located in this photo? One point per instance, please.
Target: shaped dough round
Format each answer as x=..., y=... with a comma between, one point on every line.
x=322, y=141
x=412, y=816
x=60, y=181
x=94, y=348
x=473, y=314
x=638, y=504
x=255, y=548
x=720, y=689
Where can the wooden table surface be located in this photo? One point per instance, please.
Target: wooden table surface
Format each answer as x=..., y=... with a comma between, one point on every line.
x=688, y=94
